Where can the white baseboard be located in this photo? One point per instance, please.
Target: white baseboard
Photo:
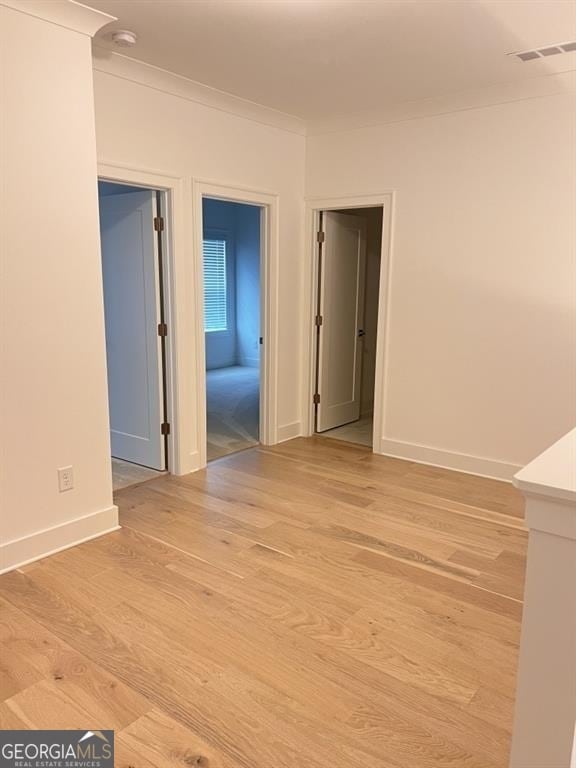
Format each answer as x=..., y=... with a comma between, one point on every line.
x=289, y=431
x=437, y=457
x=36, y=546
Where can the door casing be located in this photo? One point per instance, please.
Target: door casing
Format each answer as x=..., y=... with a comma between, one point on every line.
x=269, y=250
x=171, y=191
x=314, y=207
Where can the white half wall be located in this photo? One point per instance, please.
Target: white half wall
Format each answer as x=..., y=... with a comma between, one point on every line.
x=53, y=403
x=481, y=359
x=141, y=125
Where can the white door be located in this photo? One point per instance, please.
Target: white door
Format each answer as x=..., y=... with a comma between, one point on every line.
x=132, y=314
x=342, y=273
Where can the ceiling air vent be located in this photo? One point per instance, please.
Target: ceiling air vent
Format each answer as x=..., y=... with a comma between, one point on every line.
x=542, y=53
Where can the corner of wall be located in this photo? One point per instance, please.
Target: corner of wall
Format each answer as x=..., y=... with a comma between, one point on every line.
x=40, y=544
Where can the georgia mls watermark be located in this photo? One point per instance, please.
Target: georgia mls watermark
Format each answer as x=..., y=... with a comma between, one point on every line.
x=56, y=749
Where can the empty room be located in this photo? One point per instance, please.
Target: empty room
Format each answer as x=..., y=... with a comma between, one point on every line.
x=231, y=262
x=288, y=392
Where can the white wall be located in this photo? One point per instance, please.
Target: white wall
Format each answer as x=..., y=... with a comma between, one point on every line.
x=53, y=405
x=147, y=128
x=219, y=219
x=482, y=345
x=248, y=284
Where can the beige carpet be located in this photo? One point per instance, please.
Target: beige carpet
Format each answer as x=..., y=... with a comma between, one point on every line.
x=232, y=402
x=357, y=432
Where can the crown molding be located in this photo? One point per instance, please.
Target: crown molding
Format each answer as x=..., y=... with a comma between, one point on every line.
x=126, y=68
x=503, y=93
x=63, y=13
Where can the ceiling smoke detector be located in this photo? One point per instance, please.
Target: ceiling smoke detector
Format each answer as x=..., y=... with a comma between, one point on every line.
x=124, y=38
x=542, y=53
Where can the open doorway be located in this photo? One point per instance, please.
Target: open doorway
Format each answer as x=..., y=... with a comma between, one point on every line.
x=132, y=236
x=232, y=305
x=348, y=280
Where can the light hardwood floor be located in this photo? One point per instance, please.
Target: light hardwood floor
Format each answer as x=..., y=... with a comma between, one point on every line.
x=304, y=605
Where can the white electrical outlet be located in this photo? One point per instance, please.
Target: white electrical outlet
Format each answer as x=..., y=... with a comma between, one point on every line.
x=65, y=479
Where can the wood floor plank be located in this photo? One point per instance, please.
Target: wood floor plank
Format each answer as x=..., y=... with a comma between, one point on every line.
x=126, y=756
x=488, y=599
x=162, y=741
x=26, y=644
x=307, y=603
x=45, y=706
x=19, y=666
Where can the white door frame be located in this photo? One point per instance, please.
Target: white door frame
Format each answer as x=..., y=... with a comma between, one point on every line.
x=180, y=457
x=314, y=206
x=269, y=254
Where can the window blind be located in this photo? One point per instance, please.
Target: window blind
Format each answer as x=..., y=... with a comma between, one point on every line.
x=215, y=296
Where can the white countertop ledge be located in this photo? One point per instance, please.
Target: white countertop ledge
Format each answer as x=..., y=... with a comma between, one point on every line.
x=553, y=473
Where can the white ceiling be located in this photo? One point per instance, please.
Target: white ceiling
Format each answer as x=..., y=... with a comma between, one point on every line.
x=322, y=59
